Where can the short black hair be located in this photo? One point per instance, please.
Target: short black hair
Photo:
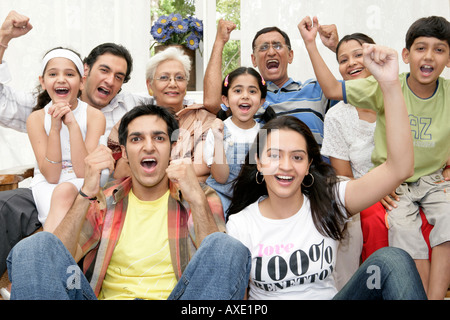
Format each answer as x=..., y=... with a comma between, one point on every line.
x=148, y=109
x=431, y=27
x=270, y=29
x=114, y=49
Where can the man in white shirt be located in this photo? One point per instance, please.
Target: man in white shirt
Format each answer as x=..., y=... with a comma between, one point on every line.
x=107, y=68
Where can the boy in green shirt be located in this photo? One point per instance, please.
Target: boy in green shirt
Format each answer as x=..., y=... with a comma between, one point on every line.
x=427, y=97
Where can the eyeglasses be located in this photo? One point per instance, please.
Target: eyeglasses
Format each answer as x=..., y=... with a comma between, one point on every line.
x=167, y=78
x=265, y=46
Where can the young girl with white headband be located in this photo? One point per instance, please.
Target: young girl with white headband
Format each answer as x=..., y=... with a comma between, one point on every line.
x=62, y=130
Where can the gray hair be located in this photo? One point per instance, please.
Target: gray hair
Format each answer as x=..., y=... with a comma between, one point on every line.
x=171, y=53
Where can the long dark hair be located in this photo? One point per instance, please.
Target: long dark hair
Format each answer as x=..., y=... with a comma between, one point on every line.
x=269, y=113
x=327, y=212
x=43, y=97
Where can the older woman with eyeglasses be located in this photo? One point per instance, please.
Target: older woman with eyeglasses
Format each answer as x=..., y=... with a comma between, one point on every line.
x=167, y=77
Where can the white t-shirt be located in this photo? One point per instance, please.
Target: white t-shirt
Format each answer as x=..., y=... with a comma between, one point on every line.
x=290, y=258
x=238, y=135
x=347, y=137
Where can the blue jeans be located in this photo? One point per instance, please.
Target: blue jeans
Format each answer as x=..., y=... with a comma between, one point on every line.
x=40, y=267
x=388, y=274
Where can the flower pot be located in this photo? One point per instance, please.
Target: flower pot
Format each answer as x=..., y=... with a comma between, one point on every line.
x=191, y=54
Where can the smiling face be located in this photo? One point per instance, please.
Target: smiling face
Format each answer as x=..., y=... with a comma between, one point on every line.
x=169, y=93
x=62, y=81
x=272, y=63
x=284, y=162
x=104, y=80
x=148, y=152
x=350, y=59
x=427, y=59
x=244, y=100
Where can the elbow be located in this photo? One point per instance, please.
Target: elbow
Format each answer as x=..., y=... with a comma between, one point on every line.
x=211, y=105
x=406, y=171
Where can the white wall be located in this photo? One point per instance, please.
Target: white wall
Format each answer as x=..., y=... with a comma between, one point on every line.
x=386, y=21
x=78, y=24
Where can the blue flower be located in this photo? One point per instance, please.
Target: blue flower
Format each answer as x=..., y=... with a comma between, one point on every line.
x=180, y=27
x=192, y=42
x=163, y=20
x=158, y=31
x=175, y=17
x=196, y=24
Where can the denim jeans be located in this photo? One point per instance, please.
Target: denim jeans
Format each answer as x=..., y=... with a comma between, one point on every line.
x=40, y=267
x=388, y=274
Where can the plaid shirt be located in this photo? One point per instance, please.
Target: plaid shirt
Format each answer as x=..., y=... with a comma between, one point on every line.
x=104, y=223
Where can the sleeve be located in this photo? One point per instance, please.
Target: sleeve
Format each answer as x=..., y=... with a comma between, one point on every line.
x=15, y=107
x=334, y=144
x=208, y=148
x=233, y=228
x=363, y=93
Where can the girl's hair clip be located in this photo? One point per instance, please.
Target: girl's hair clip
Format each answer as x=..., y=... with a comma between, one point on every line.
x=226, y=82
x=224, y=107
x=263, y=81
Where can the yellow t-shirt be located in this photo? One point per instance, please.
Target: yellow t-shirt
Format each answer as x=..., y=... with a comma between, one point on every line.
x=141, y=265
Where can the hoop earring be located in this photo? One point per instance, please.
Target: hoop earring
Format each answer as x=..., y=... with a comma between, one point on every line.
x=312, y=181
x=256, y=177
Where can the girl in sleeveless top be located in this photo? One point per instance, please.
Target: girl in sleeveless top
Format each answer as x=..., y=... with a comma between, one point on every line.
x=62, y=130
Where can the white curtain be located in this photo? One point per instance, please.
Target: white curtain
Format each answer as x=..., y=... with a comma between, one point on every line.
x=77, y=24
x=386, y=21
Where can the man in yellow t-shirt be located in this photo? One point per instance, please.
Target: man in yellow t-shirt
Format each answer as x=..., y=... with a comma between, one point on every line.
x=158, y=234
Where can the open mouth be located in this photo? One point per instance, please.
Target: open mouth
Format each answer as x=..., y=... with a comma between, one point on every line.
x=284, y=178
x=426, y=69
x=149, y=164
x=244, y=107
x=356, y=72
x=272, y=64
x=62, y=91
x=103, y=91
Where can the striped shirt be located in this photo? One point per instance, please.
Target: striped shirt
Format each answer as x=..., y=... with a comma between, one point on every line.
x=304, y=101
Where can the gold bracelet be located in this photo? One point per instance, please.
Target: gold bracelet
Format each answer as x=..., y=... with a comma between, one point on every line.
x=52, y=162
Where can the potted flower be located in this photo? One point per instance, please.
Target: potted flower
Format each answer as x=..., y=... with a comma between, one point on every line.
x=183, y=32
x=175, y=30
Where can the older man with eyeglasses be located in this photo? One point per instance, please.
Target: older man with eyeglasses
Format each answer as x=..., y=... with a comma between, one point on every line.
x=272, y=54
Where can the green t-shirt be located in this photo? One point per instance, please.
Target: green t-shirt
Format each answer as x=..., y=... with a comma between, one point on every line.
x=429, y=120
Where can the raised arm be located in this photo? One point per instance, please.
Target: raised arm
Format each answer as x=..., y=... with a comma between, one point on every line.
x=15, y=107
x=68, y=231
x=14, y=26
x=181, y=173
x=212, y=82
x=362, y=193
x=331, y=87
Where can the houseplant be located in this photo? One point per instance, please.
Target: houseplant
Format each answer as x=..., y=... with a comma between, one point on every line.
x=186, y=33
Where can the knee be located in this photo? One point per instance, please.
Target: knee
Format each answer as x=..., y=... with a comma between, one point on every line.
x=36, y=245
x=65, y=190
x=392, y=258
x=225, y=247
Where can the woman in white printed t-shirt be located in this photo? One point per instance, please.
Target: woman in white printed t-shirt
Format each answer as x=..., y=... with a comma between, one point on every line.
x=289, y=207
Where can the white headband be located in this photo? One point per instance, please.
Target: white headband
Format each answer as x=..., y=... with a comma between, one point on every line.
x=63, y=53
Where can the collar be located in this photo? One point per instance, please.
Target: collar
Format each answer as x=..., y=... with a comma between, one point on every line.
x=118, y=190
x=272, y=86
